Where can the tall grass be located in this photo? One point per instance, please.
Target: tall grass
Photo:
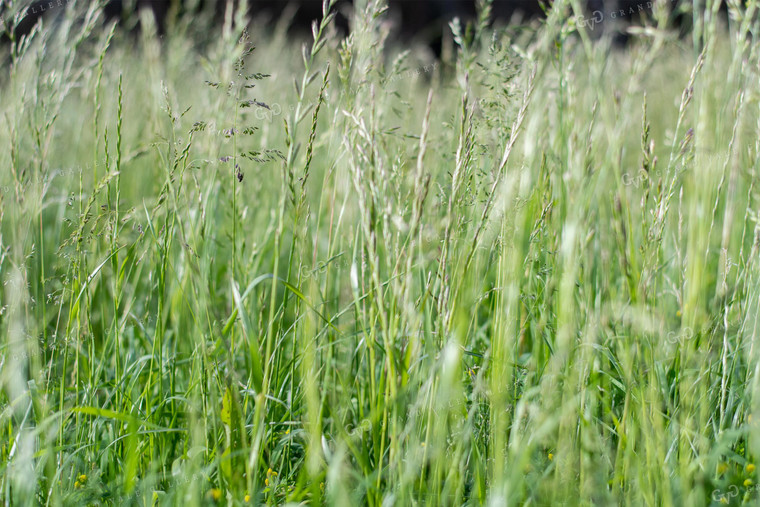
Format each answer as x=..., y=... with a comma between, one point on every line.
x=242, y=269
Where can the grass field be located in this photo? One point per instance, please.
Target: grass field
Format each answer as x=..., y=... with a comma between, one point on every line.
x=238, y=269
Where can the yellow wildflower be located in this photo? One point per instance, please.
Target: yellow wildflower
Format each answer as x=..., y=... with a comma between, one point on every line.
x=551, y=457
x=77, y=485
x=82, y=478
x=247, y=498
x=216, y=494
x=750, y=468
x=748, y=482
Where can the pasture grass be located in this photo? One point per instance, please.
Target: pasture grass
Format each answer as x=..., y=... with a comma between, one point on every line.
x=241, y=269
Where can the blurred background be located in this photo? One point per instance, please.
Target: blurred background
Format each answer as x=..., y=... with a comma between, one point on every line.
x=423, y=21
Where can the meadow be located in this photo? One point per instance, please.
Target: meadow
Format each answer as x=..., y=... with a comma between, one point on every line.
x=242, y=268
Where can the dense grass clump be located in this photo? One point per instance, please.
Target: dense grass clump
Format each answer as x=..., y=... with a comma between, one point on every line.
x=237, y=269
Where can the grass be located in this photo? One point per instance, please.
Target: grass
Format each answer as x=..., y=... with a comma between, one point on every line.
x=238, y=269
